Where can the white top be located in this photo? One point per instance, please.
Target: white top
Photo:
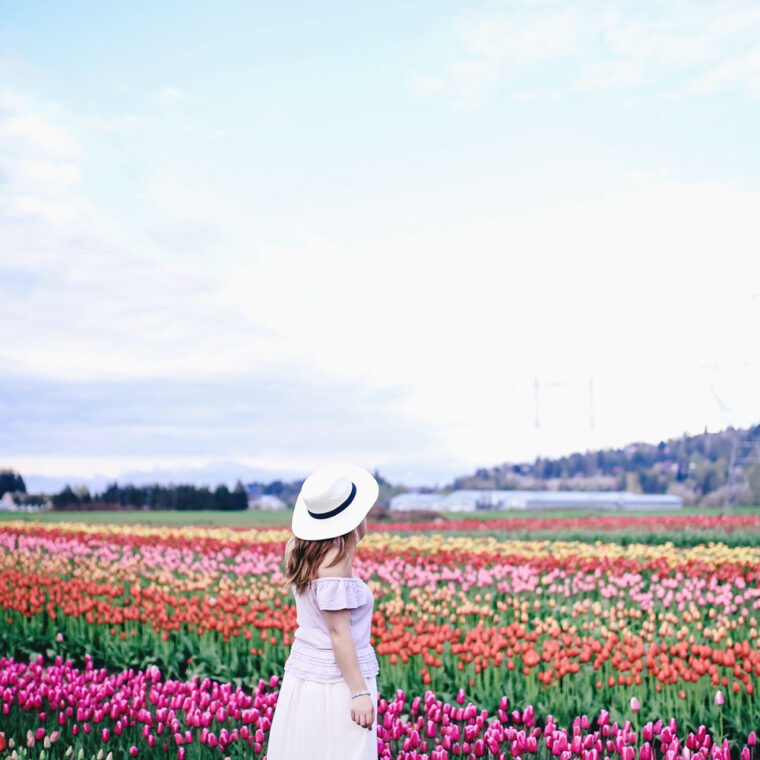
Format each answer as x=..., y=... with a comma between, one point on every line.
x=311, y=654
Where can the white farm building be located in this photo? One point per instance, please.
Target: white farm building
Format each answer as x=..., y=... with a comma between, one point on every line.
x=259, y=500
x=471, y=500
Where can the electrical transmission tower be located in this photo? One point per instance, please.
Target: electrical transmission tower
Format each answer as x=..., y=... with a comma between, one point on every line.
x=744, y=453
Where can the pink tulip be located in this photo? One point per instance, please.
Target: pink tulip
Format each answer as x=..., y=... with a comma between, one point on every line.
x=719, y=697
x=635, y=706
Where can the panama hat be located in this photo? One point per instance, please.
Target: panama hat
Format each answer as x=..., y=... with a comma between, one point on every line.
x=333, y=501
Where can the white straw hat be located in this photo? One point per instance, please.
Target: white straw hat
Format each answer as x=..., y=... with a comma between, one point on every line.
x=333, y=501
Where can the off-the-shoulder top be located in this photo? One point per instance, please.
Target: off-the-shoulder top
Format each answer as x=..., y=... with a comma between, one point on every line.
x=311, y=654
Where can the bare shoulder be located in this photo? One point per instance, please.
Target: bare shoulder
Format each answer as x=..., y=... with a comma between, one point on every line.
x=343, y=568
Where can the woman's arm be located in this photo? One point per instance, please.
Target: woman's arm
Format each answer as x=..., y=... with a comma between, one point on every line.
x=339, y=626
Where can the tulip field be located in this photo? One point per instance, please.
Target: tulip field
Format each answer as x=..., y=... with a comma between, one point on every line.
x=143, y=641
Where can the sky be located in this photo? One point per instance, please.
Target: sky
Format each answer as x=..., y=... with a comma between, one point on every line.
x=421, y=237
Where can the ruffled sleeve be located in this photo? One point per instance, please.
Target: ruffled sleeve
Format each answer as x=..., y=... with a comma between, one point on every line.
x=339, y=593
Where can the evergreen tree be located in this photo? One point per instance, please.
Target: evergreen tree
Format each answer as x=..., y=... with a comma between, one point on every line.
x=66, y=499
x=11, y=481
x=222, y=497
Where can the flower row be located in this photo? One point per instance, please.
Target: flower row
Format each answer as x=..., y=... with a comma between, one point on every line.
x=136, y=712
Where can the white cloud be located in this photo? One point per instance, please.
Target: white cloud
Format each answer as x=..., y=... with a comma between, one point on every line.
x=45, y=138
x=39, y=160
x=55, y=176
x=520, y=41
x=54, y=211
x=171, y=94
x=474, y=81
x=104, y=296
x=677, y=48
x=608, y=75
x=124, y=123
x=496, y=45
x=424, y=85
x=740, y=72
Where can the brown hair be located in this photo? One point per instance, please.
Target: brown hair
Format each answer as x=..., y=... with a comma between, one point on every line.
x=305, y=558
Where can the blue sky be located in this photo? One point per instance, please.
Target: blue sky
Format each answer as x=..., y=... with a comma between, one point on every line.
x=283, y=234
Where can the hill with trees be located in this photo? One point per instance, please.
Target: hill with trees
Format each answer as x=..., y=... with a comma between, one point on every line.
x=696, y=467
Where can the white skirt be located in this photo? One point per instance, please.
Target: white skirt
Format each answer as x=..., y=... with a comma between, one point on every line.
x=313, y=720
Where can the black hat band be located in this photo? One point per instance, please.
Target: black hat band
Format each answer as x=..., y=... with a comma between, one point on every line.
x=338, y=509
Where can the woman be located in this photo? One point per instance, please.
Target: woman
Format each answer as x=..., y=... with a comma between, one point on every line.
x=328, y=695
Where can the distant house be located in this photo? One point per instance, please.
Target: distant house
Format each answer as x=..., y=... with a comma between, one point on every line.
x=267, y=501
x=24, y=502
x=470, y=500
x=259, y=500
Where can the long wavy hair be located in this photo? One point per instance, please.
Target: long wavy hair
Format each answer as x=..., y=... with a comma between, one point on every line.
x=306, y=557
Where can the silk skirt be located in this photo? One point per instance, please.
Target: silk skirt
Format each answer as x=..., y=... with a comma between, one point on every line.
x=312, y=721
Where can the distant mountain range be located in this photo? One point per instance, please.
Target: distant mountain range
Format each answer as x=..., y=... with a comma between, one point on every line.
x=212, y=474
x=228, y=472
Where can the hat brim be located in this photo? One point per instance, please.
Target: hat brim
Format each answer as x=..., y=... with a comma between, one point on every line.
x=313, y=529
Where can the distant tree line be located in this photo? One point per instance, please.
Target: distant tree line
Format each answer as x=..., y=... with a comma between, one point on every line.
x=182, y=497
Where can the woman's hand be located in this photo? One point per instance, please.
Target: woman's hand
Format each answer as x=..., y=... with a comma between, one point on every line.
x=363, y=711
x=339, y=625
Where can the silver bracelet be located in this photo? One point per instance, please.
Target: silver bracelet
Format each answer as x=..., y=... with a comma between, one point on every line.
x=360, y=694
